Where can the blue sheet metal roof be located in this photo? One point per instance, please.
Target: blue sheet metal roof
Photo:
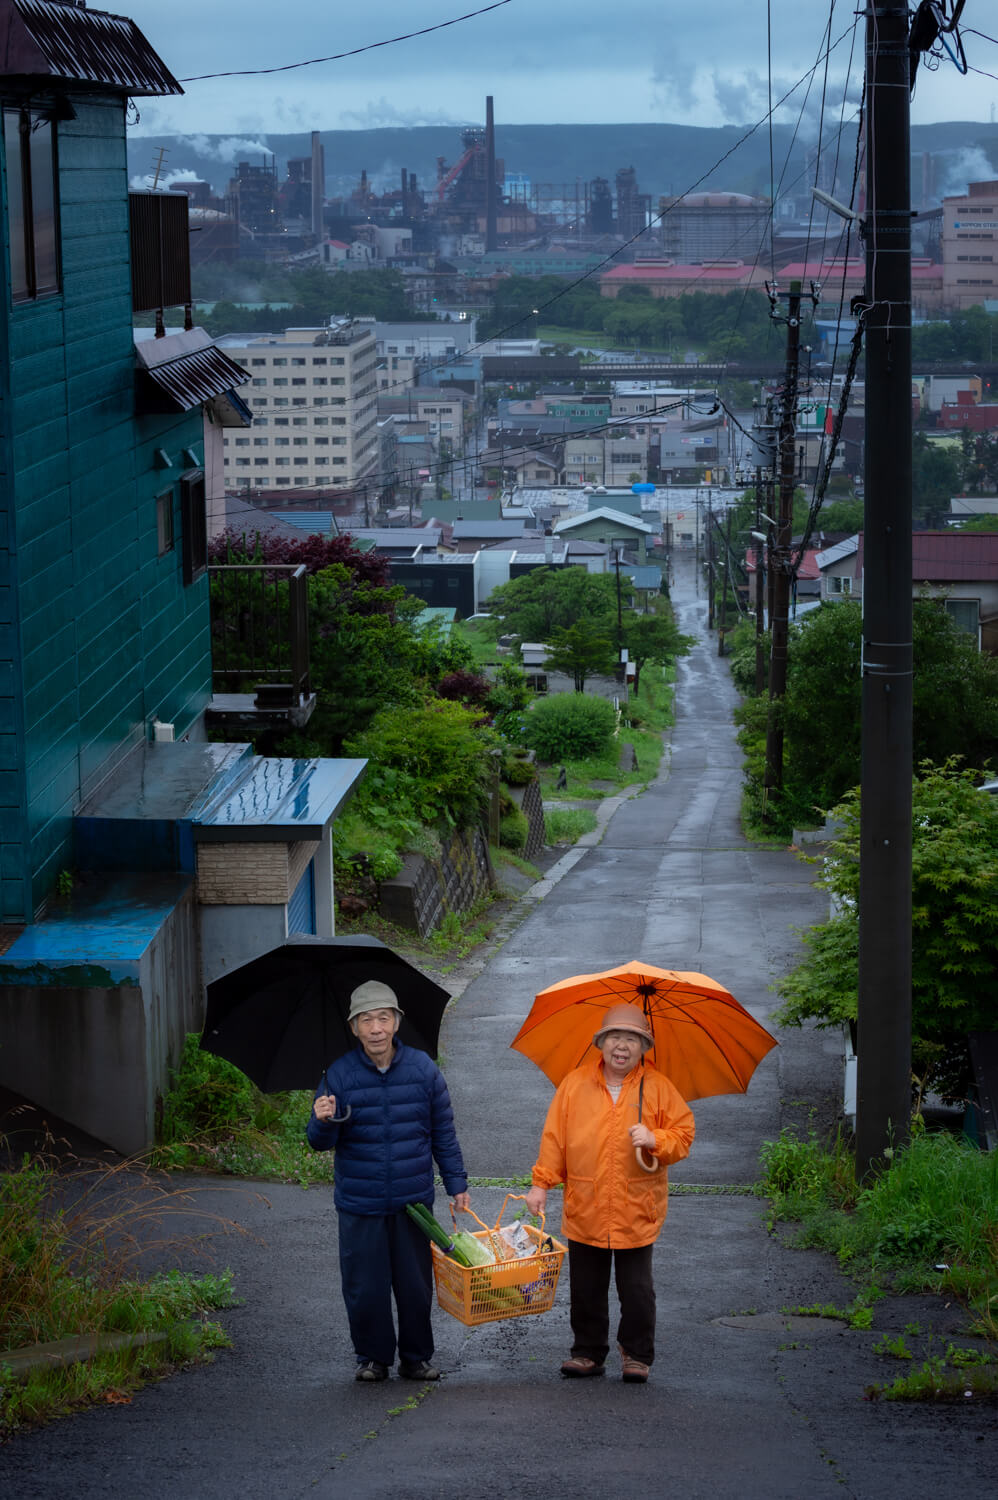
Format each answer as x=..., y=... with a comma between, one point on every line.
x=312, y=522
x=98, y=941
x=167, y=798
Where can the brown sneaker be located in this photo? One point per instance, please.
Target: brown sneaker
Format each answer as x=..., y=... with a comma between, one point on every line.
x=632, y=1369
x=579, y=1367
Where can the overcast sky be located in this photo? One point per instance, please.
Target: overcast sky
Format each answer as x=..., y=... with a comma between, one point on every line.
x=702, y=62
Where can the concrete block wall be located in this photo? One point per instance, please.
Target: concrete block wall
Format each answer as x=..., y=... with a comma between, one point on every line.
x=530, y=802
x=424, y=891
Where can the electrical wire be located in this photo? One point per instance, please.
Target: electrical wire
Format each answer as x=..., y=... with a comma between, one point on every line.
x=466, y=461
x=354, y=51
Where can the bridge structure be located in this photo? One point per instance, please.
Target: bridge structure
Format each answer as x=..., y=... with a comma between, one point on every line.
x=538, y=369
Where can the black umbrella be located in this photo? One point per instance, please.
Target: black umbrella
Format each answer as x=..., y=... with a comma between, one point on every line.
x=282, y=1018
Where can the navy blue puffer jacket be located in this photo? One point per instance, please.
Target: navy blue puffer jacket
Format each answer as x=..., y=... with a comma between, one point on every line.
x=400, y=1121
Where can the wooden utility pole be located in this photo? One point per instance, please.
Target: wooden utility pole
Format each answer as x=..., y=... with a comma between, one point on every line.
x=761, y=569
x=780, y=564
x=883, y=1091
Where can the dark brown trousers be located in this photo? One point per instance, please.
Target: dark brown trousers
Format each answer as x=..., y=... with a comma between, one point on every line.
x=589, y=1271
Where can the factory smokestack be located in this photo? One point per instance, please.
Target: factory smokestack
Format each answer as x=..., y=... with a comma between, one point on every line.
x=318, y=186
x=491, y=215
x=405, y=195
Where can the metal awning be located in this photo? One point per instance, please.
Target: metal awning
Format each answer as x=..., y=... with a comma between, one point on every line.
x=75, y=46
x=197, y=377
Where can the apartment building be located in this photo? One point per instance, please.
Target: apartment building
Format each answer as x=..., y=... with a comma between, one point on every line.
x=970, y=246
x=314, y=397
x=605, y=460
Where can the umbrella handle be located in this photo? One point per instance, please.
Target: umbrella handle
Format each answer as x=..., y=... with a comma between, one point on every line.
x=338, y=1119
x=645, y=1162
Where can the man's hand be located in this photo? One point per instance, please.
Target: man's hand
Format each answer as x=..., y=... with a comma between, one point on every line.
x=462, y=1200
x=324, y=1107
x=642, y=1136
x=536, y=1200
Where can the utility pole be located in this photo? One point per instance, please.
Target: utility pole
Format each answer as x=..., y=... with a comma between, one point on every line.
x=761, y=569
x=883, y=1091
x=780, y=564
x=710, y=568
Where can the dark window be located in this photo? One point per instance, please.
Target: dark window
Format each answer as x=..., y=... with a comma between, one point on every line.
x=164, y=523
x=965, y=614
x=29, y=154
x=194, y=521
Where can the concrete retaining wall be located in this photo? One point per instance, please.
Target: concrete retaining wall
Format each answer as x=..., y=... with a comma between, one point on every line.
x=423, y=892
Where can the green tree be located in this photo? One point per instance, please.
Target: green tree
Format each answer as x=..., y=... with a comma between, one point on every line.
x=954, y=927
x=821, y=709
x=654, y=638
x=548, y=599
x=367, y=651
x=842, y=515
x=582, y=650
x=936, y=475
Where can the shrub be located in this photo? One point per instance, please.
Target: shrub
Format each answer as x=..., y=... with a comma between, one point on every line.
x=513, y=830
x=518, y=772
x=208, y=1097
x=464, y=687
x=570, y=726
x=432, y=764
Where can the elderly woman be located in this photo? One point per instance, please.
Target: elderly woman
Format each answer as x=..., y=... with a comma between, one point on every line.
x=614, y=1125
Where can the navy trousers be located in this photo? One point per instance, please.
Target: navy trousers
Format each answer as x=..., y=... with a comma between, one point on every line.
x=382, y=1255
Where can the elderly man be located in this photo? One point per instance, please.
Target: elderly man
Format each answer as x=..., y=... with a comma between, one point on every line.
x=613, y=1125
x=385, y=1109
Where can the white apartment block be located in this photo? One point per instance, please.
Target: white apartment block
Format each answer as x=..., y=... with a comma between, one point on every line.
x=314, y=396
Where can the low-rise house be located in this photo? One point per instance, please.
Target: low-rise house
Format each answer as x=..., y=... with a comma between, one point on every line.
x=620, y=533
x=959, y=568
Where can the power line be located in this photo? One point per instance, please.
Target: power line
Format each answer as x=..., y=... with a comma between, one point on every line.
x=354, y=52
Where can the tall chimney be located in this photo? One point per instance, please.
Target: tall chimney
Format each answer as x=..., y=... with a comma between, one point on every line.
x=491, y=226
x=318, y=186
x=405, y=178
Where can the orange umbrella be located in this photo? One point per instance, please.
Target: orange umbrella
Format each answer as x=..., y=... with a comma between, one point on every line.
x=705, y=1041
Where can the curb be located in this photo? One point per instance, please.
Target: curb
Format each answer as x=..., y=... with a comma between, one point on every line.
x=61, y=1353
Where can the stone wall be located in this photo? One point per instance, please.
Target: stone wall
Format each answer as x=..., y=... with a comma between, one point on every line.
x=424, y=891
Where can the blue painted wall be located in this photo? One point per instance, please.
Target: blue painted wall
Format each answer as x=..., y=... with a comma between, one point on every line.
x=98, y=635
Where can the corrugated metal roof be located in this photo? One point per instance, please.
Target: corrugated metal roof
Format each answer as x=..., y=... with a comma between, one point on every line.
x=41, y=38
x=197, y=376
x=948, y=556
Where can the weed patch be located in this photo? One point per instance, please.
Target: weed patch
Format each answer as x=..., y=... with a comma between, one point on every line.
x=927, y=1223
x=69, y=1246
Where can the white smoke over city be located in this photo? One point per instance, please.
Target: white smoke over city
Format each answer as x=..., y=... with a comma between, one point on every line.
x=963, y=167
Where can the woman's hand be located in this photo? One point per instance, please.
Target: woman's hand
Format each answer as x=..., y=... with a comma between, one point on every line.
x=642, y=1136
x=536, y=1200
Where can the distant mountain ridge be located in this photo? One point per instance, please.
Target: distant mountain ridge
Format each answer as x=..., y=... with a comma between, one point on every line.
x=668, y=159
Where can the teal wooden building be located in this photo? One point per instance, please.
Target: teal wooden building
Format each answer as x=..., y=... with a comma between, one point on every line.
x=137, y=861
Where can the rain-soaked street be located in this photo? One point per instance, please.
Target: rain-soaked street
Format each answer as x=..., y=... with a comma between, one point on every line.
x=743, y=1401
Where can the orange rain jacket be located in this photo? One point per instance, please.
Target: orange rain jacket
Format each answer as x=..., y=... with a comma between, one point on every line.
x=610, y=1200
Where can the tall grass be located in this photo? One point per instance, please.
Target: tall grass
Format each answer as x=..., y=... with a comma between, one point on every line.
x=72, y=1237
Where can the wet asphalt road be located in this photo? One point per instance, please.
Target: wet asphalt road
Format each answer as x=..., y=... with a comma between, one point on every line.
x=762, y=1408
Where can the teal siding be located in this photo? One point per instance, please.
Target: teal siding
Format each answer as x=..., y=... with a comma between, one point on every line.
x=97, y=634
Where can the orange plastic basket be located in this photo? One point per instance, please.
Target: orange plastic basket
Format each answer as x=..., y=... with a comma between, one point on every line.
x=508, y=1289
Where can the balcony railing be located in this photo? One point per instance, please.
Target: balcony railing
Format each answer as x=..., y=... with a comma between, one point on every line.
x=259, y=633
